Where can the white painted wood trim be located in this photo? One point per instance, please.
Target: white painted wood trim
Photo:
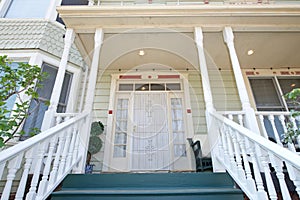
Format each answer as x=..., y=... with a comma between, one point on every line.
x=51, y=12
x=4, y=5
x=49, y=115
x=109, y=135
x=250, y=117
x=94, y=70
x=203, y=69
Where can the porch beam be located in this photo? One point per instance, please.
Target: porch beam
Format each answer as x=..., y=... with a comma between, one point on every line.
x=250, y=117
x=49, y=114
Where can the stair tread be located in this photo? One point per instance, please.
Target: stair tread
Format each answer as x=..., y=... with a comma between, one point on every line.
x=147, y=191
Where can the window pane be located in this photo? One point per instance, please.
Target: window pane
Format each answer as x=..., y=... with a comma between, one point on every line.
x=126, y=87
x=120, y=138
x=159, y=87
x=65, y=88
x=119, y=151
x=287, y=85
x=142, y=87
x=36, y=117
x=48, y=83
x=173, y=86
x=179, y=150
x=265, y=94
x=28, y=9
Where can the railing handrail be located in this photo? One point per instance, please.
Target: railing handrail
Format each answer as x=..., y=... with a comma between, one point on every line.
x=272, y=113
x=16, y=149
x=283, y=153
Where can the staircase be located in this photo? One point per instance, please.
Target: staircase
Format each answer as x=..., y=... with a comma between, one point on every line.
x=144, y=186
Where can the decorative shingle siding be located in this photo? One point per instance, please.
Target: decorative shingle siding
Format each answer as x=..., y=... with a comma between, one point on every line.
x=35, y=34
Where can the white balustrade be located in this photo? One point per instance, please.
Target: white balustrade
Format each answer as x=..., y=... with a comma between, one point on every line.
x=254, y=162
x=274, y=125
x=47, y=157
x=61, y=117
x=236, y=116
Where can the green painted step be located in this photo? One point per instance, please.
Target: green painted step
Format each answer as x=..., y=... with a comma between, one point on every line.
x=144, y=186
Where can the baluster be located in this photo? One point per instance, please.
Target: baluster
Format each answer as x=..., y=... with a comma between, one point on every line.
x=2, y=169
x=37, y=170
x=63, y=160
x=294, y=175
x=22, y=184
x=230, y=149
x=261, y=120
x=53, y=173
x=230, y=116
x=293, y=120
x=238, y=159
x=271, y=119
x=240, y=119
x=91, y=2
x=71, y=149
x=76, y=148
x=261, y=194
x=224, y=144
x=249, y=179
x=282, y=121
x=13, y=166
x=277, y=164
x=44, y=182
x=269, y=181
x=58, y=119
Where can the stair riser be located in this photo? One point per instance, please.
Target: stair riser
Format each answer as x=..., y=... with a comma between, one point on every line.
x=148, y=180
x=151, y=197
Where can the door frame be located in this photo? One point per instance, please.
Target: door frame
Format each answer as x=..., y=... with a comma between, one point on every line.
x=111, y=164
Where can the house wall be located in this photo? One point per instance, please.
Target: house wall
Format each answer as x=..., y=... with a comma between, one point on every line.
x=224, y=93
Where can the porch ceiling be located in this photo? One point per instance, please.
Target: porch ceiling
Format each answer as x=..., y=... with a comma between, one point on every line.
x=166, y=35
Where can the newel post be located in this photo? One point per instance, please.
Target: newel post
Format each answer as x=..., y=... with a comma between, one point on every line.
x=250, y=118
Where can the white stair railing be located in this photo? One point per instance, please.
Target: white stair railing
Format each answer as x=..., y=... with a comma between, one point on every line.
x=47, y=157
x=257, y=165
x=274, y=125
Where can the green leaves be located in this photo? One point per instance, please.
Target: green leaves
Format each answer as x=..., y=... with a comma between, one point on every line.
x=292, y=132
x=13, y=82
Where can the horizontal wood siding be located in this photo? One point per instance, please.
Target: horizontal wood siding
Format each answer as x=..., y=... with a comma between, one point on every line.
x=224, y=90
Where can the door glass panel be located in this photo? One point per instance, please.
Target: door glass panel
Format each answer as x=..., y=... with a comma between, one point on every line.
x=120, y=140
x=178, y=128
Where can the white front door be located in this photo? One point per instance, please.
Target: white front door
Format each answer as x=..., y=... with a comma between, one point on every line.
x=150, y=137
x=148, y=128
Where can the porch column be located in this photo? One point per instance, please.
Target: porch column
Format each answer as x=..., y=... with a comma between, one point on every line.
x=212, y=138
x=49, y=114
x=203, y=70
x=89, y=98
x=250, y=118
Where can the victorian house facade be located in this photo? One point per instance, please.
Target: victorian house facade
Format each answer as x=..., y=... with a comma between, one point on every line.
x=159, y=75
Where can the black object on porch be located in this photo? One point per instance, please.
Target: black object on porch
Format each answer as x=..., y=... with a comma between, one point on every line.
x=202, y=163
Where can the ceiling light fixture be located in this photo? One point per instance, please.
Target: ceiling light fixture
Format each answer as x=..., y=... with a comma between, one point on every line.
x=250, y=52
x=141, y=52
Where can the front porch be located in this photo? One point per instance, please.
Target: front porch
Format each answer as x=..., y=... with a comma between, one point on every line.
x=168, y=74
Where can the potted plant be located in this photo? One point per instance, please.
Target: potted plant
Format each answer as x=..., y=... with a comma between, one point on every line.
x=95, y=144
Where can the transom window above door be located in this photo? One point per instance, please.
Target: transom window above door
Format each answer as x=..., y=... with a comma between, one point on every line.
x=149, y=87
